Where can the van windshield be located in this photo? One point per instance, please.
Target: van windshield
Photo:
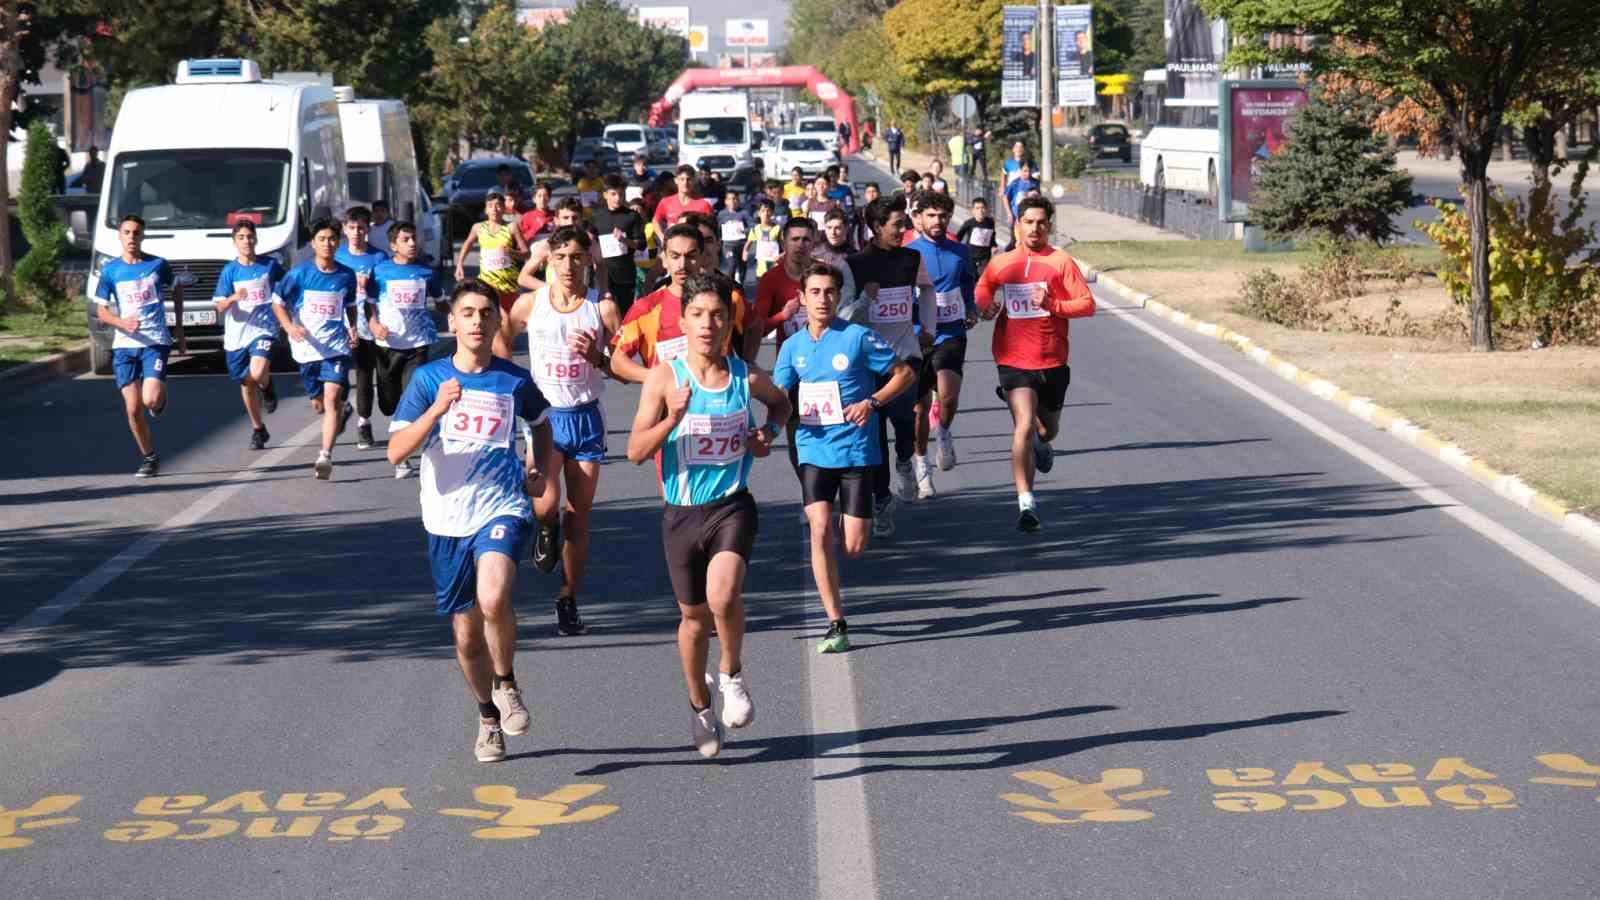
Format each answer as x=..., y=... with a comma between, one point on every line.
x=713, y=131
x=823, y=125
x=200, y=188
x=625, y=135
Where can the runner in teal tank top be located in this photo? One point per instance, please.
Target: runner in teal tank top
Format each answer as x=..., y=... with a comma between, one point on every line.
x=695, y=419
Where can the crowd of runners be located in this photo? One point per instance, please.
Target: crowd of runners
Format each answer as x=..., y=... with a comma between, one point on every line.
x=868, y=302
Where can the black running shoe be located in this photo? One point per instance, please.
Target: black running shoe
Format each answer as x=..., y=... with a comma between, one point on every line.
x=149, y=468
x=1028, y=521
x=344, y=418
x=568, y=622
x=269, y=398
x=259, y=438
x=364, y=437
x=1044, y=455
x=547, y=547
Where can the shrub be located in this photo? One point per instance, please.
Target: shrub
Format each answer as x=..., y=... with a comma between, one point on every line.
x=1071, y=161
x=1273, y=298
x=38, y=274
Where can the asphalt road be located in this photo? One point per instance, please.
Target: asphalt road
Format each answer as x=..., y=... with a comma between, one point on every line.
x=229, y=681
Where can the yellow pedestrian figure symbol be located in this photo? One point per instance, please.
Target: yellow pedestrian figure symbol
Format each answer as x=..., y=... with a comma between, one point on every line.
x=12, y=819
x=1072, y=802
x=523, y=817
x=1588, y=774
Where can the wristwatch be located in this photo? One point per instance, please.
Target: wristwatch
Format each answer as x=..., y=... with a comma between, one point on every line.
x=875, y=403
x=770, y=430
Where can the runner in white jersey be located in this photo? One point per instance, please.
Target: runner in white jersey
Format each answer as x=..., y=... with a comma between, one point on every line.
x=461, y=414
x=244, y=300
x=569, y=328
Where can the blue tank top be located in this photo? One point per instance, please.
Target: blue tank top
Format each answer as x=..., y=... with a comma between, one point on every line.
x=705, y=458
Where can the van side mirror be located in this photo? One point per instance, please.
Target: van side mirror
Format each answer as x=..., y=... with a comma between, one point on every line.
x=408, y=212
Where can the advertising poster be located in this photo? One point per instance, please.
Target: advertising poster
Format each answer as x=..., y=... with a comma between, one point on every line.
x=1019, y=56
x=745, y=33
x=667, y=18
x=1075, y=55
x=1258, y=128
x=1196, y=46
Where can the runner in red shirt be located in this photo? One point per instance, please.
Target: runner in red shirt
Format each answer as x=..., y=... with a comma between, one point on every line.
x=1034, y=289
x=671, y=208
x=778, y=295
x=652, y=331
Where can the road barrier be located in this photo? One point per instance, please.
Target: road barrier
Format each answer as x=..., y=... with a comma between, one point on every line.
x=1189, y=214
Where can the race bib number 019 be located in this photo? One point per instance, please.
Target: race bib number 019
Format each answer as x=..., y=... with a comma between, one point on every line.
x=1020, y=302
x=892, y=305
x=820, y=403
x=479, y=417
x=714, y=440
x=951, y=307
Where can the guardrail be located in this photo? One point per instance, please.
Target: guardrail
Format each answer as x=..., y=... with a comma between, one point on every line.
x=1192, y=215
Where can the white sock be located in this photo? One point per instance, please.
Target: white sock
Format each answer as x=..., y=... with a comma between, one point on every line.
x=1025, y=500
x=363, y=420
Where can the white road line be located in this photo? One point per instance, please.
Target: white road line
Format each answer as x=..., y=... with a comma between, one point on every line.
x=1523, y=549
x=845, y=863
x=81, y=590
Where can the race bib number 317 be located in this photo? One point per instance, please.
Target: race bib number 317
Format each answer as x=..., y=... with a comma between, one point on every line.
x=479, y=417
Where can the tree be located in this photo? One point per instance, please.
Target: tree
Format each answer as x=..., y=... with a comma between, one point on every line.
x=1478, y=58
x=1335, y=177
x=611, y=67
x=376, y=47
x=934, y=48
x=47, y=244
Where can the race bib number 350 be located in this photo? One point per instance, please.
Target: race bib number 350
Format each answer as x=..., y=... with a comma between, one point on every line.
x=479, y=417
x=710, y=440
x=1020, y=302
x=892, y=305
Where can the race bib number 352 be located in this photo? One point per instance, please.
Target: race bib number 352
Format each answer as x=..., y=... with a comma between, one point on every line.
x=710, y=440
x=479, y=417
x=1021, y=302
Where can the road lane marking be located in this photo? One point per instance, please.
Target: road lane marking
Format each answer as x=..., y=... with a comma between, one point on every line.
x=1520, y=547
x=102, y=575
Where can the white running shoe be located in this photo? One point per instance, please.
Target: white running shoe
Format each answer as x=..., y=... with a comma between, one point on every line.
x=323, y=468
x=946, y=449
x=404, y=470
x=513, y=714
x=737, y=708
x=924, y=474
x=906, y=481
x=883, y=517
x=705, y=730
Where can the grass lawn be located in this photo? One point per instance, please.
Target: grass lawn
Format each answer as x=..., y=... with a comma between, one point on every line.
x=27, y=336
x=1535, y=413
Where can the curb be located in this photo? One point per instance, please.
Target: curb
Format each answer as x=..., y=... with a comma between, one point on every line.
x=72, y=361
x=1510, y=487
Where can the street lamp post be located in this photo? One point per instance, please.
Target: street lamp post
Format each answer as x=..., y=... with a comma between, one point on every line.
x=1046, y=69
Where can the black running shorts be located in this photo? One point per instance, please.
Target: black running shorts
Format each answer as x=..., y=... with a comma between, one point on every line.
x=1049, y=384
x=850, y=490
x=950, y=356
x=692, y=535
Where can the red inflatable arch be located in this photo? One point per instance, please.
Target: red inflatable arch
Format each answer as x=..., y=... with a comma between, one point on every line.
x=844, y=109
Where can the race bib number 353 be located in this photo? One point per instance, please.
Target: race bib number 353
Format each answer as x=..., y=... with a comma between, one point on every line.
x=479, y=417
x=710, y=440
x=1020, y=302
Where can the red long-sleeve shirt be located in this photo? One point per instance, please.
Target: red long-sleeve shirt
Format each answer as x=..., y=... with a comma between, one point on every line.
x=1028, y=336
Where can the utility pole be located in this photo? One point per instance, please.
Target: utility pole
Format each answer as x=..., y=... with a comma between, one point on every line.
x=1046, y=72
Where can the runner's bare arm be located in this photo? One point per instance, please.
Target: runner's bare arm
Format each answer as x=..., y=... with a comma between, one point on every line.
x=655, y=418
x=774, y=398
x=408, y=440
x=626, y=369
x=541, y=450
x=900, y=378
x=534, y=267
x=466, y=245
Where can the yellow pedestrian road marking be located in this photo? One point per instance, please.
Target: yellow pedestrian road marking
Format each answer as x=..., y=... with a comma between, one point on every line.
x=523, y=817
x=1091, y=802
x=27, y=818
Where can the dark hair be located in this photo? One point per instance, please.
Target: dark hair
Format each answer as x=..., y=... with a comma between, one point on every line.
x=872, y=186
x=794, y=169
x=818, y=267
x=614, y=183
x=130, y=217
x=475, y=286
x=765, y=203
x=685, y=170
x=706, y=284
x=399, y=228
x=494, y=195
x=321, y=225
x=773, y=184
x=938, y=200
x=835, y=214
x=832, y=172
x=803, y=223
x=358, y=214
x=684, y=230
x=880, y=210
x=568, y=234
x=569, y=203
x=238, y=226
x=380, y=202
x=542, y=186
x=909, y=175
x=1028, y=203
x=976, y=200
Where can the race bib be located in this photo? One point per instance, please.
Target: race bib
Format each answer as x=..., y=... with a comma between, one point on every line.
x=318, y=308
x=134, y=296
x=667, y=351
x=951, y=307
x=479, y=417
x=767, y=251
x=559, y=365
x=589, y=198
x=494, y=259
x=712, y=440
x=1019, y=301
x=733, y=231
x=612, y=246
x=794, y=323
x=820, y=403
x=641, y=256
x=892, y=305
x=632, y=192
x=820, y=218
x=981, y=237
x=255, y=293
x=407, y=294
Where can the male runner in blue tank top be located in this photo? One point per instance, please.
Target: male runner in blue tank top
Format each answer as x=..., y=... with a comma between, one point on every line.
x=695, y=413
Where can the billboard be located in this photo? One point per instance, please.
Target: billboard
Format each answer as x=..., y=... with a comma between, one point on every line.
x=537, y=19
x=667, y=18
x=1196, y=46
x=1075, y=55
x=699, y=38
x=1019, y=56
x=1255, y=126
x=745, y=33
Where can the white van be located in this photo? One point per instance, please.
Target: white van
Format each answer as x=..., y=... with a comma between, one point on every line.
x=715, y=126
x=191, y=158
x=629, y=139
x=382, y=164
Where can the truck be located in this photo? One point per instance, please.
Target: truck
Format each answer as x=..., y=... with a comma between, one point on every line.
x=218, y=145
x=381, y=163
x=714, y=126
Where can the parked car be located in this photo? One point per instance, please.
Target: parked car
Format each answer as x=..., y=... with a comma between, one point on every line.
x=628, y=139
x=819, y=127
x=663, y=146
x=1111, y=139
x=471, y=181
x=808, y=152
x=599, y=149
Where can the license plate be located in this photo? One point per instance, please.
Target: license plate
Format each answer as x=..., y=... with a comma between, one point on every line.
x=198, y=317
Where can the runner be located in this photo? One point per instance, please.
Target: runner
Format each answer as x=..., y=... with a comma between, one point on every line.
x=733, y=225
x=316, y=304
x=621, y=235
x=569, y=326
x=1019, y=186
x=378, y=232
x=695, y=419
x=977, y=233
x=796, y=188
x=590, y=185
x=670, y=209
x=1012, y=168
x=763, y=243
x=746, y=339
x=936, y=176
x=401, y=321
x=1035, y=289
x=361, y=259
x=953, y=281
x=909, y=180
x=895, y=297
x=501, y=247
x=780, y=204
x=535, y=223
x=460, y=414
x=137, y=284
x=839, y=190
x=536, y=272
x=860, y=231
x=835, y=245
x=834, y=367
x=778, y=301
x=653, y=329
x=244, y=300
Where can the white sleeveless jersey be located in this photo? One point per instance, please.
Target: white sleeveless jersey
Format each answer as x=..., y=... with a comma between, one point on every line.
x=565, y=378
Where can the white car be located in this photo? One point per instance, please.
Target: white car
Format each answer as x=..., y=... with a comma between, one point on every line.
x=819, y=127
x=808, y=152
x=629, y=139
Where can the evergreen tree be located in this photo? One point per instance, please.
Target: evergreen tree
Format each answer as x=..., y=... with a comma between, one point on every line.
x=38, y=271
x=1335, y=176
